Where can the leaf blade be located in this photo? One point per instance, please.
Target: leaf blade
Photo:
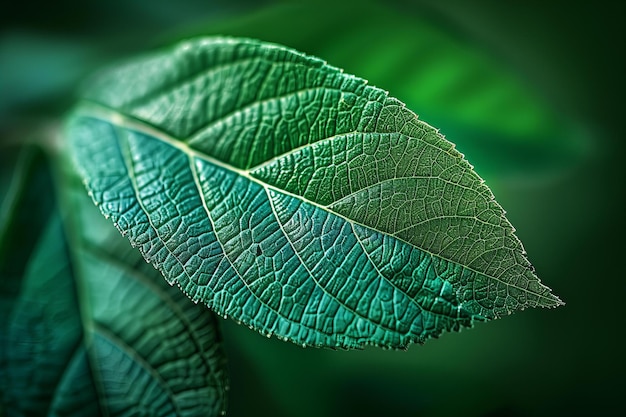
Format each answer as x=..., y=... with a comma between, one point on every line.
x=228, y=185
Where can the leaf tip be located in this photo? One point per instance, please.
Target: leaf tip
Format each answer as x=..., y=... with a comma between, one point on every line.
x=556, y=302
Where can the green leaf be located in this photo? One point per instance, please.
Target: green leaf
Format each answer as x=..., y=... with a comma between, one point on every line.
x=88, y=328
x=295, y=198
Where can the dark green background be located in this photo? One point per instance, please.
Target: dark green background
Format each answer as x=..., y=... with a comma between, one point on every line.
x=548, y=138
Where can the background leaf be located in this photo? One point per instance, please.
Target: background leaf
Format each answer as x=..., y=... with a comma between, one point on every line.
x=87, y=330
x=295, y=198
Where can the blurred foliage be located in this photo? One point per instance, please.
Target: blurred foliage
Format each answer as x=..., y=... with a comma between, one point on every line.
x=79, y=309
x=530, y=91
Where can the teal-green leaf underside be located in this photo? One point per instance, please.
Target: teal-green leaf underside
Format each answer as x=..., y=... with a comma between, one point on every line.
x=295, y=198
x=88, y=328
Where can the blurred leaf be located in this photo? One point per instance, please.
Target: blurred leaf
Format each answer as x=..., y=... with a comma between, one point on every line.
x=295, y=198
x=25, y=182
x=92, y=329
x=492, y=114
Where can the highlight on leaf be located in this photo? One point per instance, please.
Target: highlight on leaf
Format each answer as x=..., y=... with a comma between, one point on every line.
x=295, y=198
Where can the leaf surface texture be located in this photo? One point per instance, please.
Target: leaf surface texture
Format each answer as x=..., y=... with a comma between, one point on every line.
x=295, y=198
